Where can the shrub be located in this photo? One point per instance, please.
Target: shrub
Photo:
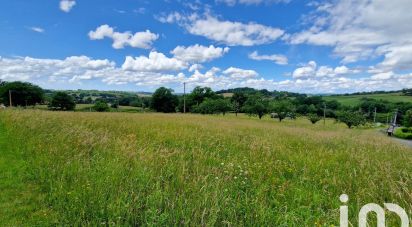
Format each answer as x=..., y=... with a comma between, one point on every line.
x=403, y=133
x=101, y=106
x=314, y=118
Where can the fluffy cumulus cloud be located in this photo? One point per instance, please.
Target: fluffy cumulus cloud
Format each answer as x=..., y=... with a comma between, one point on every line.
x=156, y=61
x=198, y=53
x=237, y=73
x=67, y=5
x=228, y=32
x=250, y=2
x=311, y=70
x=363, y=30
x=150, y=72
x=142, y=40
x=277, y=58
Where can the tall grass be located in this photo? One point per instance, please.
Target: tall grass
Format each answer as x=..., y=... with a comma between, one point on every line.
x=159, y=169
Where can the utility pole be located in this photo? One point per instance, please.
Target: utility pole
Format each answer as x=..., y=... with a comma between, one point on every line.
x=324, y=113
x=184, y=97
x=10, y=102
x=374, y=116
x=396, y=115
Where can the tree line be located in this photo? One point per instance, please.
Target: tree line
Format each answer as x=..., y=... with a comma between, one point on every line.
x=203, y=100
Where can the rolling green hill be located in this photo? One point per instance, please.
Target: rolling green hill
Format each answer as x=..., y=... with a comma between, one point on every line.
x=352, y=100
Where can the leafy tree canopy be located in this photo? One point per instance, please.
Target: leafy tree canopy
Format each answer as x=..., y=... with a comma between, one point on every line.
x=163, y=100
x=62, y=101
x=22, y=93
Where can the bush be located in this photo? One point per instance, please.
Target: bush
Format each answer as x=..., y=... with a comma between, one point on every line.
x=314, y=118
x=407, y=119
x=101, y=106
x=62, y=101
x=403, y=133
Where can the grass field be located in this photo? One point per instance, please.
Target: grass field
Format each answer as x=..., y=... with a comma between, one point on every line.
x=80, y=168
x=353, y=100
x=89, y=108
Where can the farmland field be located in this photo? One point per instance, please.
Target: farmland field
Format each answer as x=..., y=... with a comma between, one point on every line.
x=353, y=100
x=79, y=168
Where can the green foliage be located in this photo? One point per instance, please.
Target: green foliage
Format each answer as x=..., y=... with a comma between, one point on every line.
x=22, y=93
x=256, y=105
x=407, y=119
x=314, y=118
x=213, y=106
x=198, y=95
x=351, y=119
x=164, y=101
x=62, y=101
x=407, y=92
x=238, y=99
x=115, y=105
x=282, y=108
x=403, y=133
x=101, y=106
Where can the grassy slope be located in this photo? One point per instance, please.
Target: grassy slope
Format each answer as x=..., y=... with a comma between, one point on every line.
x=100, y=168
x=21, y=202
x=353, y=100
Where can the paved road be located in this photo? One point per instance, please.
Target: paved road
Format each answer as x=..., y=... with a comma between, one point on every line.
x=404, y=142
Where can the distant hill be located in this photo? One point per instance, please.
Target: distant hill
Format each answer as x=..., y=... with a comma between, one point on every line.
x=354, y=99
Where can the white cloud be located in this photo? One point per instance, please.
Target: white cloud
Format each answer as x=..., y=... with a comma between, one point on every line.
x=37, y=29
x=237, y=73
x=312, y=70
x=277, y=58
x=198, y=53
x=227, y=32
x=142, y=40
x=156, y=62
x=305, y=71
x=67, y=5
x=250, y=2
x=81, y=70
x=195, y=67
x=363, y=30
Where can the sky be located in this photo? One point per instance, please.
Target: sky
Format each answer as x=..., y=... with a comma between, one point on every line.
x=139, y=45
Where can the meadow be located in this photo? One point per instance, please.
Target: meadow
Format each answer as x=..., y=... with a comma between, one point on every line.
x=353, y=100
x=79, y=168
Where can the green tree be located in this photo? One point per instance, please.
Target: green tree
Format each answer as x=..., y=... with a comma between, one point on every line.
x=115, y=105
x=351, y=118
x=213, y=106
x=314, y=118
x=407, y=119
x=283, y=108
x=238, y=99
x=199, y=94
x=22, y=93
x=62, y=101
x=256, y=105
x=164, y=101
x=101, y=106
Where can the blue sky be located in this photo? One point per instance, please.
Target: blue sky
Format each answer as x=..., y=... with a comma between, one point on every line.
x=303, y=46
